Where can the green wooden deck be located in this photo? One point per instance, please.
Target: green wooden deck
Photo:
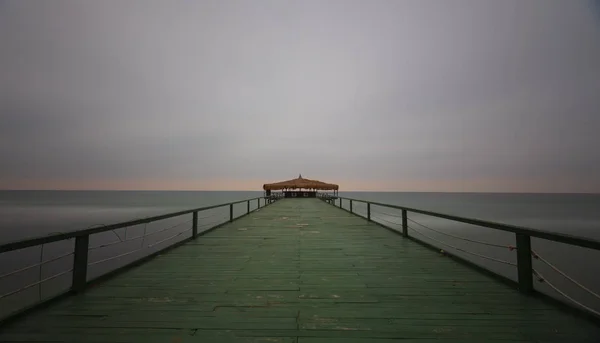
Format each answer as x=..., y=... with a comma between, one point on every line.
x=300, y=271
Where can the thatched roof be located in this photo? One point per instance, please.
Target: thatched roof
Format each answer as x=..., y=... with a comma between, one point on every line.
x=300, y=182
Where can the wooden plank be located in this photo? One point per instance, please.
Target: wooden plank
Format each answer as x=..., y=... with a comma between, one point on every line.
x=300, y=271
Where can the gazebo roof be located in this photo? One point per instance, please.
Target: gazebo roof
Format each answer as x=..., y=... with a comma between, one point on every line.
x=300, y=182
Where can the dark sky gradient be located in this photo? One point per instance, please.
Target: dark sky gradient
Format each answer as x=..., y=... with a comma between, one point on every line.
x=421, y=95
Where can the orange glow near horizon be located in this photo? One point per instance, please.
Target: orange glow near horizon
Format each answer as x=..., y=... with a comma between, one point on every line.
x=473, y=185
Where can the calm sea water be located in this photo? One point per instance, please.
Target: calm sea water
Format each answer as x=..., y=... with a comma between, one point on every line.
x=26, y=214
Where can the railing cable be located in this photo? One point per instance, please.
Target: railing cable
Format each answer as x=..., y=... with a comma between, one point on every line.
x=116, y=256
x=169, y=228
x=169, y=238
x=385, y=220
x=40, y=272
x=453, y=246
x=119, y=237
x=144, y=235
x=387, y=214
x=121, y=240
x=448, y=234
x=138, y=237
x=463, y=238
x=34, y=265
x=139, y=249
x=35, y=283
x=451, y=235
x=148, y=246
x=541, y=278
x=465, y=251
x=537, y=256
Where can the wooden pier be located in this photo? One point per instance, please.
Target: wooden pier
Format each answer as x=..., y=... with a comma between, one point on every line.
x=300, y=270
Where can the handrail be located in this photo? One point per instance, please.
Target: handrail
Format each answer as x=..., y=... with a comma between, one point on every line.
x=31, y=242
x=551, y=236
x=525, y=254
x=81, y=249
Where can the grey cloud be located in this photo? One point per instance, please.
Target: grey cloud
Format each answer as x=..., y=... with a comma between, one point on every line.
x=381, y=90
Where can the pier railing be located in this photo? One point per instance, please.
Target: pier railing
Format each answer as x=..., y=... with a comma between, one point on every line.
x=522, y=235
x=76, y=254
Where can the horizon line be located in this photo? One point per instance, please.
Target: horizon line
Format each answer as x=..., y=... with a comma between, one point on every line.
x=260, y=190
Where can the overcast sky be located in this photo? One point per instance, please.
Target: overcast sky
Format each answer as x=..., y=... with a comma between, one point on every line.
x=418, y=95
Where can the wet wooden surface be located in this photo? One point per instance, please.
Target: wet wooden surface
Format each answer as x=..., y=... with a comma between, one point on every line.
x=300, y=271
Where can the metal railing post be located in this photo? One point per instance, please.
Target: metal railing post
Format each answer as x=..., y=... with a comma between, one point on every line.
x=404, y=223
x=80, y=263
x=524, y=267
x=82, y=256
x=195, y=224
x=258, y=203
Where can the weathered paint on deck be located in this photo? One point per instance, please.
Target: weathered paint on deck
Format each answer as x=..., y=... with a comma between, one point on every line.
x=300, y=271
